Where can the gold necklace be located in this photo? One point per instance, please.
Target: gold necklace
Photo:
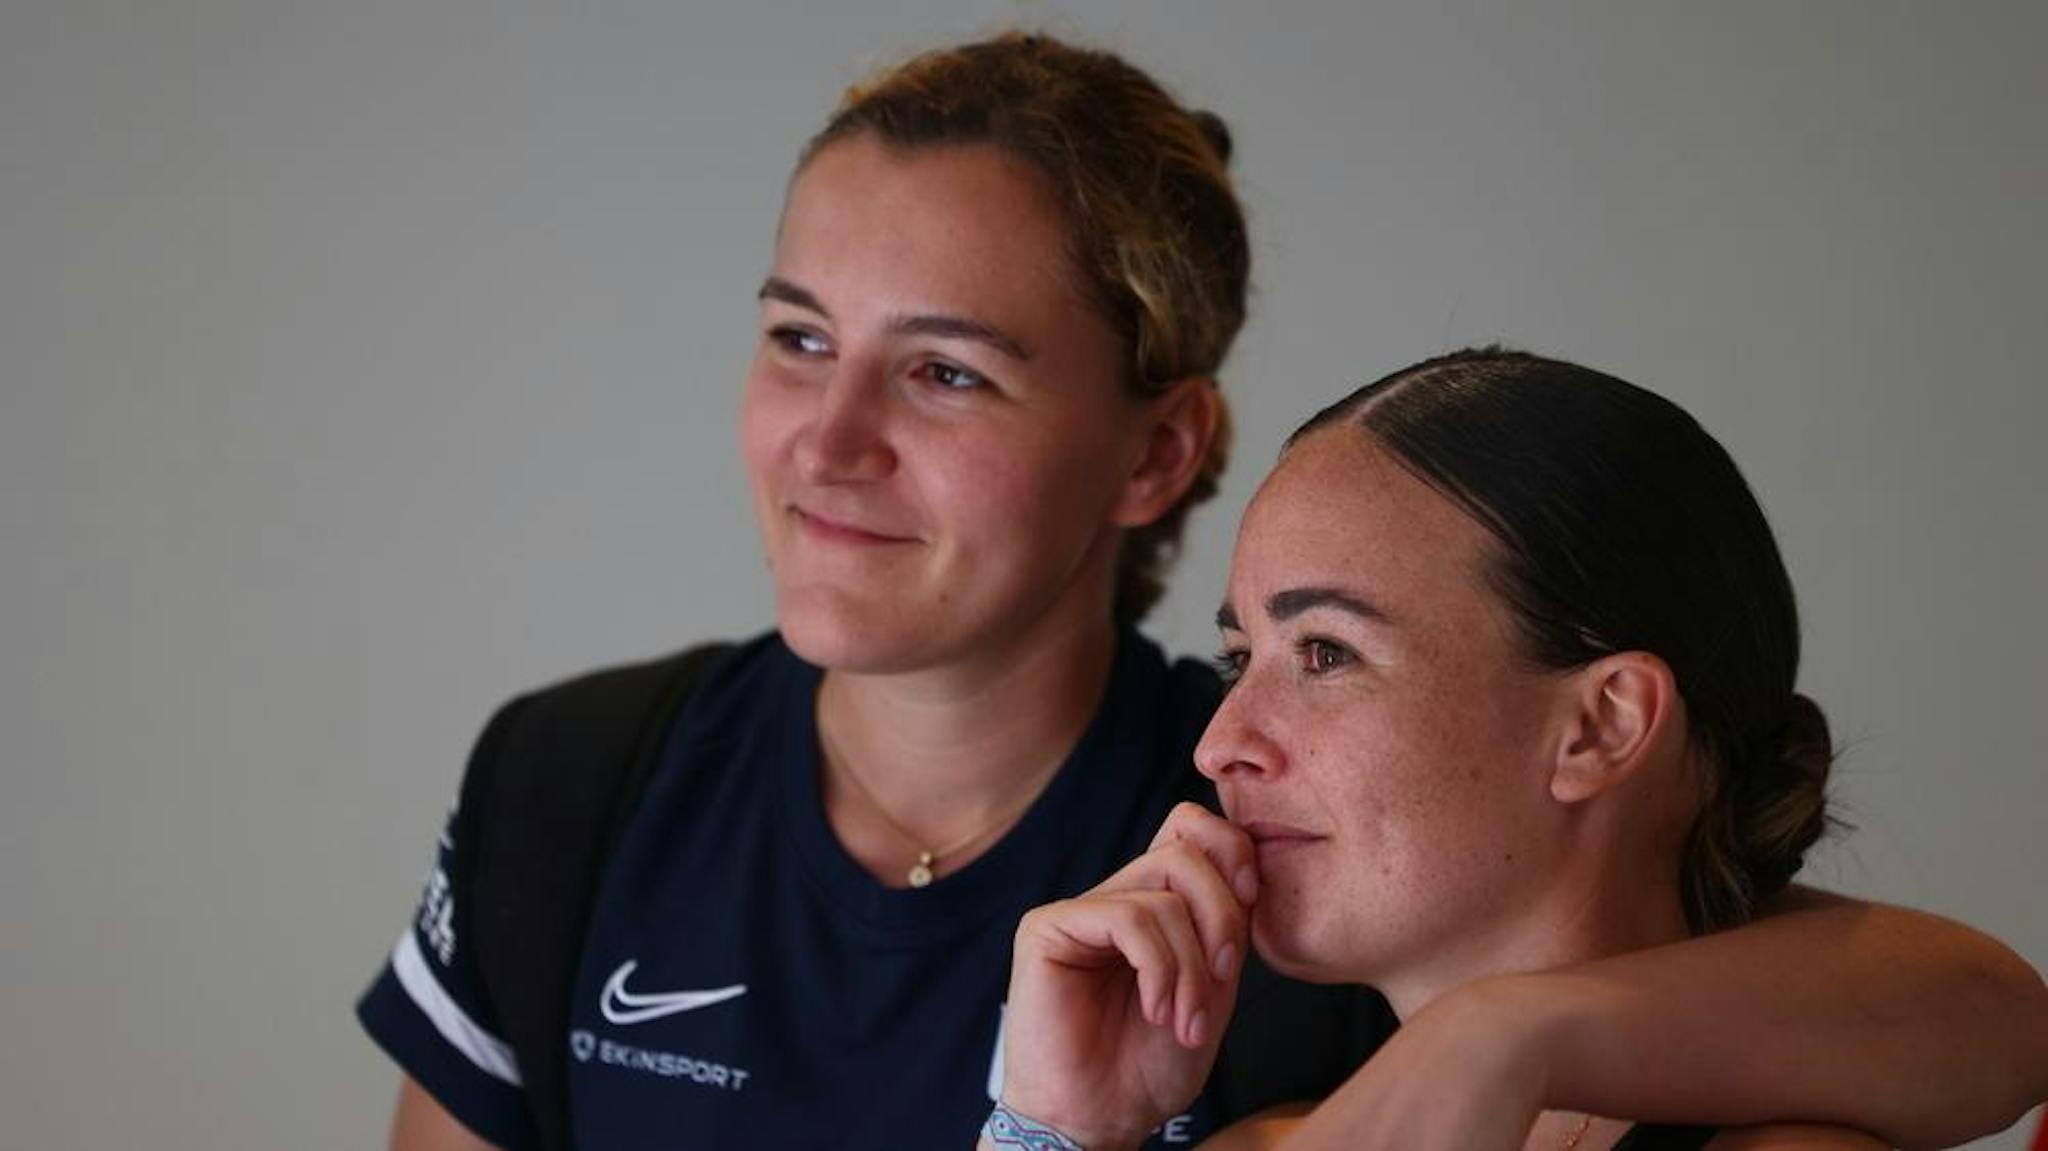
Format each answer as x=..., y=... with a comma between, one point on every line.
x=1571, y=1141
x=920, y=873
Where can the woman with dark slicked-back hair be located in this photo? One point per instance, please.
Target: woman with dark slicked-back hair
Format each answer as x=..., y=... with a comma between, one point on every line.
x=1512, y=654
x=764, y=896
x=1623, y=526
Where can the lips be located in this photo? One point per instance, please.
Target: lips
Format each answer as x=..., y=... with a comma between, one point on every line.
x=844, y=529
x=1270, y=834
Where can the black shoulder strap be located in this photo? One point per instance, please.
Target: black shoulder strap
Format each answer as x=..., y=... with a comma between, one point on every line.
x=549, y=790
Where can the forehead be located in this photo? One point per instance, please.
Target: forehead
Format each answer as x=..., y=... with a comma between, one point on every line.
x=1339, y=511
x=943, y=225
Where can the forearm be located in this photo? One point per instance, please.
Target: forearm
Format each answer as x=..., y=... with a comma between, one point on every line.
x=1910, y=1026
x=420, y=1123
x=1257, y=1132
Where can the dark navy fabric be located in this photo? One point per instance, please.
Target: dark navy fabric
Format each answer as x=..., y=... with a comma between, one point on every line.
x=745, y=984
x=1663, y=1137
x=426, y=1010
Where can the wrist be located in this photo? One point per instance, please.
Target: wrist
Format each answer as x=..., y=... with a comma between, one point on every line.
x=1520, y=1028
x=1010, y=1128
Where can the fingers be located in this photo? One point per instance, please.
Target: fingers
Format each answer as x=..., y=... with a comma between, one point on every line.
x=1191, y=856
x=1151, y=932
x=1171, y=916
x=1228, y=848
x=1195, y=922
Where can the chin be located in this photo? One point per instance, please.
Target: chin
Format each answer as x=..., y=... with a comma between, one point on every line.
x=830, y=630
x=1285, y=951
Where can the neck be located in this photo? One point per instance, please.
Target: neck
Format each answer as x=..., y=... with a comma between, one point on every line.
x=1597, y=900
x=949, y=753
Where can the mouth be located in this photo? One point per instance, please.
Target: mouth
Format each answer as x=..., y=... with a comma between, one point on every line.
x=1272, y=838
x=840, y=531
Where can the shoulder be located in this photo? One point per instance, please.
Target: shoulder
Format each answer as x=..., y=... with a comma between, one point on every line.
x=1196, y=684
x=614, y=702
x=702, y=663
x=1795, y=1137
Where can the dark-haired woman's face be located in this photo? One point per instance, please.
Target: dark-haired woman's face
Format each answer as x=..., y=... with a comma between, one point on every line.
x=934, y=424
x=1383, y=744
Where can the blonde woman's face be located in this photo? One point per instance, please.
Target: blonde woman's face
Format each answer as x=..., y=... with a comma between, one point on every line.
x=934, y=426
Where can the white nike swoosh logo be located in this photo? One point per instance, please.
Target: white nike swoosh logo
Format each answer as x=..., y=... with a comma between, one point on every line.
x=622, y=1006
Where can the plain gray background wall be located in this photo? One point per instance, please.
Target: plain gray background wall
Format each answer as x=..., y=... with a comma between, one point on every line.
x=361, y=363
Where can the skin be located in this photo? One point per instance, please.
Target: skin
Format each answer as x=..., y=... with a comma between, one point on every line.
x=928, y=498
x=950, y=557
x=1507, y=874
x=944, y=457
x=1395, y=760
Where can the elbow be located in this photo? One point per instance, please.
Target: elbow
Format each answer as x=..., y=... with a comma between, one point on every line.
x=2005, y=1043
x=2015, y=991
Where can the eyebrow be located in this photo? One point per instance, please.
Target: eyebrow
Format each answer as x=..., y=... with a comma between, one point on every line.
x=930, y=324
x=1285, y=605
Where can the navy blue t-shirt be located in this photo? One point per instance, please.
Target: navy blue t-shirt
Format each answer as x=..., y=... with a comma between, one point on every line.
x=746, y=984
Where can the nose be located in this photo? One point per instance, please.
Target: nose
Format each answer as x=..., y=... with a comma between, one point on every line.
x=847, y=437
x=1236, y=745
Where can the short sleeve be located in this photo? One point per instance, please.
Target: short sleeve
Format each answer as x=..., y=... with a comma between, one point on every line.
x=427, y=1010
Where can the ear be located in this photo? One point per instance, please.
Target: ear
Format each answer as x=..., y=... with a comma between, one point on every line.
x=1179, y=424
x=1623, y=708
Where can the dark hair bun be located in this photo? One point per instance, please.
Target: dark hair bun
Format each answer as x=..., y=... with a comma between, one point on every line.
x=1783, y=808
x=1216, y=132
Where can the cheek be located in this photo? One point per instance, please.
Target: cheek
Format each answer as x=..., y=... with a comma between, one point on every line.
x=769, y=417
x=1461, y=811
x=991, y=483
x=1408, y=794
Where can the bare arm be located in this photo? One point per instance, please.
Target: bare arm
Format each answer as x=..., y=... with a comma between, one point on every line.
x=1906, y=1025
x=422, y=1124
x=1258, y=1132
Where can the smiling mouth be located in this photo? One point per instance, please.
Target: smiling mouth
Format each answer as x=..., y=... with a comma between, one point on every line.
x=834, y=531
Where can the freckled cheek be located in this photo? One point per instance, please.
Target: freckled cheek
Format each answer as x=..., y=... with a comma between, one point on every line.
x=1405, y=815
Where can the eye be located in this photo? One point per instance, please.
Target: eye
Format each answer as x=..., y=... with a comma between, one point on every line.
x=1229, y=664
x=1319, y=656
x=799, y=341
x=952, y=377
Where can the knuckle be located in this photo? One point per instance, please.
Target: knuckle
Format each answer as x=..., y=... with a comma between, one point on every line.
x=1235, y=922
x=1034, y=920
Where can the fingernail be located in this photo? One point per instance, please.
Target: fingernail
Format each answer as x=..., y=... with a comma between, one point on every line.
x=1246, y=881
x=1198, y=1028
x=1226, y=960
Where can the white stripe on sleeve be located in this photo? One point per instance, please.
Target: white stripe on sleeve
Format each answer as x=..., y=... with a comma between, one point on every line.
x=490, y=1053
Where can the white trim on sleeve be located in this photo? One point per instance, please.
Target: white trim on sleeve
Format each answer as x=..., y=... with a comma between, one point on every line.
x=491, y=1054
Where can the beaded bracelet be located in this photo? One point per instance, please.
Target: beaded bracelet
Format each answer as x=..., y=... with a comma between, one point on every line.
x=1006, y=1128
